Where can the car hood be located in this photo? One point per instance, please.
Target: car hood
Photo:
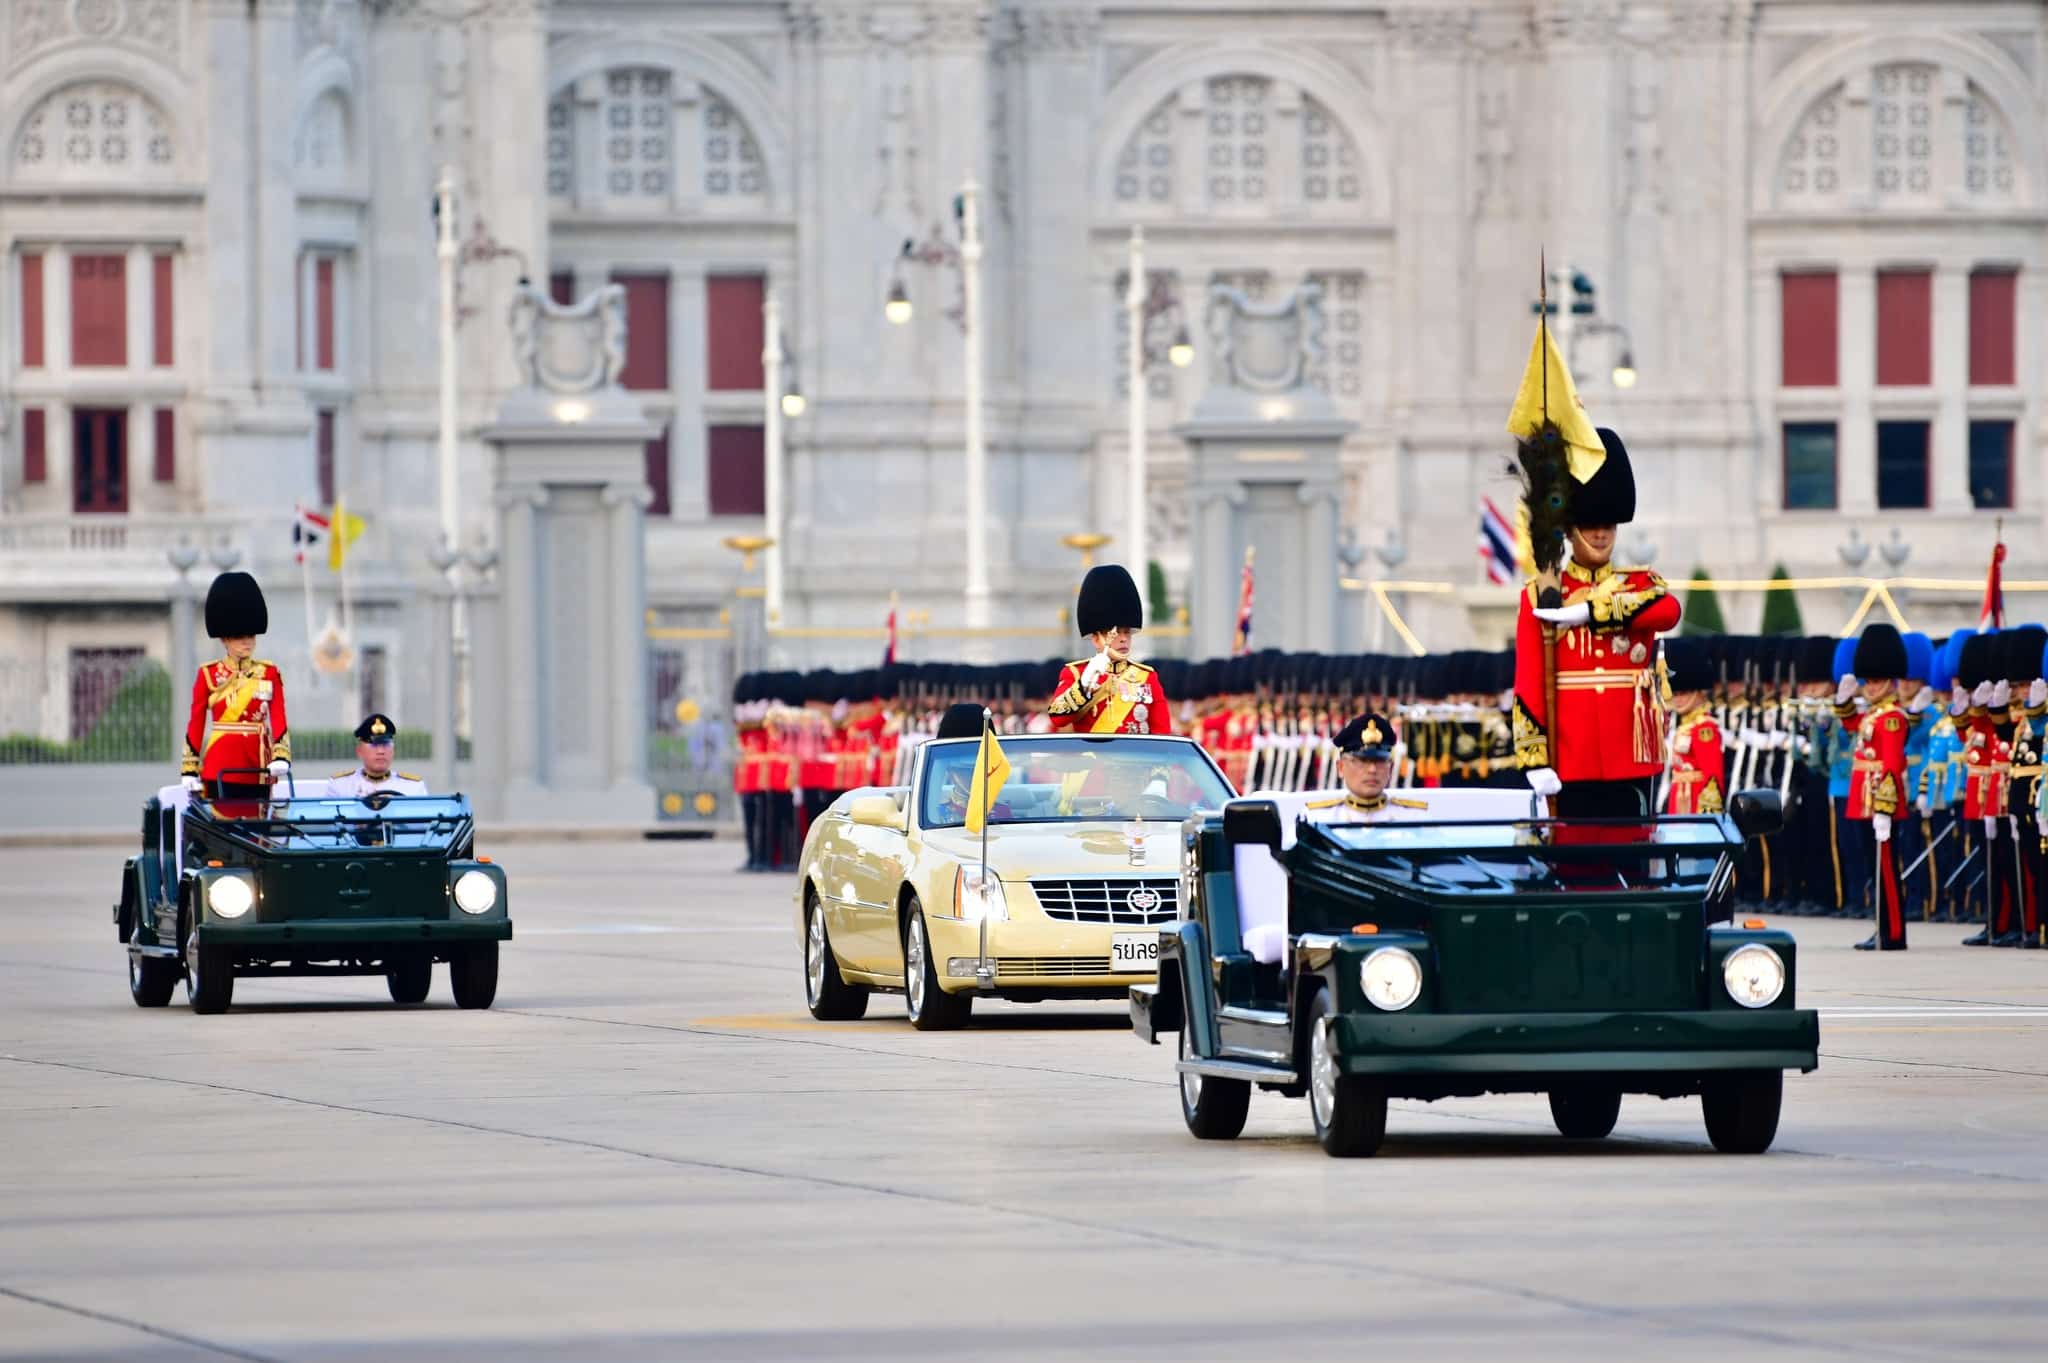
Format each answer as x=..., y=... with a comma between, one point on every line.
x=1018, y=851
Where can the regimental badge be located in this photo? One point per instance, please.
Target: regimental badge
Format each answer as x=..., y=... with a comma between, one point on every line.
x=1638, y=654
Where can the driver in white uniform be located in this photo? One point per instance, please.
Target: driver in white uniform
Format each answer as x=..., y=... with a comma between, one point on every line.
x=376, y=744
x=1365, y=763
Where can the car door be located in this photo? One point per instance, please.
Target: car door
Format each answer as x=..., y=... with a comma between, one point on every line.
x=873, y=865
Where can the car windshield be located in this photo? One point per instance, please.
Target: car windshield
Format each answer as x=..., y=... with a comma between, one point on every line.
x=1537, y=855
x=1061, y=780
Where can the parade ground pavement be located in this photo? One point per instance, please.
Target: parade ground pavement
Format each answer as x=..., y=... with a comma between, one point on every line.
x=648, y=1150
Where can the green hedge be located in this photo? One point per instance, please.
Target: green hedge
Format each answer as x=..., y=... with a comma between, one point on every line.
x=1702, y=608
x=1781, y=609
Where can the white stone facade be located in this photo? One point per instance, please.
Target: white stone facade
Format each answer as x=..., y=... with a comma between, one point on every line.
x=1414, y=156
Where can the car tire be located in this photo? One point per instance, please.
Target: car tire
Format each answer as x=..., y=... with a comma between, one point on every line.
x=1349, y=1110
x=931, y=1008
x=1214, y=1109
x=826, y=992
x=1742, y=1110
x=409, y=979
x=151, y=979
x=1585, y=1112
x=209, y=975
x=473, y=973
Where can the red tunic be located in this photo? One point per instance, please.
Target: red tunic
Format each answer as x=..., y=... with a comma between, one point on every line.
x=1129, y=701
x=1987, y=760
x=1699, y=768
x=747, y=771
x=237, y=721
x=1609, y=725
x=1877, y=771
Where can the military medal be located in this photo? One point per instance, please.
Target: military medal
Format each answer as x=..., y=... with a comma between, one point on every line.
x=1142, y=714
x=1638, y=654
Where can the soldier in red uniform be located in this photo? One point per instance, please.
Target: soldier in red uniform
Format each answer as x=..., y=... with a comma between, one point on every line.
x=1980, y=702
x=1699, y=771
x=1877, y=770
x=1600, y=754
x=1109, y=693
x=237, y=723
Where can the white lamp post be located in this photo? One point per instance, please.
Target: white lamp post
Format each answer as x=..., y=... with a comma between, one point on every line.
x=1134, y=475
x=771, y=441
x=977, y=453
x=445, y=248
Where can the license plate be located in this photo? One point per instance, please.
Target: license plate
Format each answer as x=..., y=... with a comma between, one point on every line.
x=1134, y=953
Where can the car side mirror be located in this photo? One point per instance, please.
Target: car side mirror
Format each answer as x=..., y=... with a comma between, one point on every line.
x=1252, y=822
x=876, y=811
x=1757, y=813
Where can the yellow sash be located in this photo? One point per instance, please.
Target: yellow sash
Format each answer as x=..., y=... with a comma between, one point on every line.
x=1110, y=717
x=239, y=692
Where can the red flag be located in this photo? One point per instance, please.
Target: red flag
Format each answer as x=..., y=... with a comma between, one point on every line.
x=889, y=648
x=1242, y=644
x=1992, y=615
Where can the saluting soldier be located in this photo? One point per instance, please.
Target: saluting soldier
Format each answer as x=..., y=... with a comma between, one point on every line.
x=1600, y=754
x=376, y=745
x=1987, y=763
x=1877, y=772
x=1699, y=773
x=237, y=722
x=1110, y=693
x=2020, y=650
x=1365, y=763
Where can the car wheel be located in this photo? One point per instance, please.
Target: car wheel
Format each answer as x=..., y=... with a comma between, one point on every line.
x=409, y=978
x=1349, y=1110
x=826, y=992
x=1214, y=1109
x=473, y=972
x=931, y=1008
x=1742, y=1110
x=151, y=979
x=1585, y=1112
x=209, y=975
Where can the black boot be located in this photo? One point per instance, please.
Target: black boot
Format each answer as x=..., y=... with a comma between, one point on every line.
x=1868, y=944
x=1982, y=939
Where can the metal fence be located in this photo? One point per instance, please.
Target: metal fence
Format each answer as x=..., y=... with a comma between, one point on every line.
x=689, y=733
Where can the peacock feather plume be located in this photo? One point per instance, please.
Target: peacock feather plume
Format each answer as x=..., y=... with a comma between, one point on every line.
x=1546, y=493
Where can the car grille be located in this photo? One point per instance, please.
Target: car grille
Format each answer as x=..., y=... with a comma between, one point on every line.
x=1052, y=965
x=1107, y=900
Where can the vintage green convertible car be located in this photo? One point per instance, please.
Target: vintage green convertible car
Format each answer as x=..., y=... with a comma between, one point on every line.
x=1443, y=957
x=309, y=885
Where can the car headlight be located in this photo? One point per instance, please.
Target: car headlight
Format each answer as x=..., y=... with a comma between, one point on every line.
x=1391, y=978
x=977, y=896
x=1754, y=974
x=229, y=896
x=475, y=892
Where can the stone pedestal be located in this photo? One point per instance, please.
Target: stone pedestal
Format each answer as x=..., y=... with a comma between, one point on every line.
x=1263, y=474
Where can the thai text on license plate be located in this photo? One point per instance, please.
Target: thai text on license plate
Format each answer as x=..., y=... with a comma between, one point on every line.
x=1134, y=953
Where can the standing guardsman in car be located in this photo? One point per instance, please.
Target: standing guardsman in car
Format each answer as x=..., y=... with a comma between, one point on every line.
x=376, y=744
x=237, y=723
x=1109, y=693
x=1365, y=763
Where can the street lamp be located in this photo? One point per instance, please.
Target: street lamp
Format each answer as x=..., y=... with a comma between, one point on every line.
x=1181, y=353
x=897, y=309
x=1134, y=467
x=1086, y=542
x=772, y=453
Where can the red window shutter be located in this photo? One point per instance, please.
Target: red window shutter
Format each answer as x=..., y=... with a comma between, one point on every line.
x=1807, y=325
x=299, y=311
x=1992, y=325
x=32, y=312
x=323, y=454
x=35, y=450
x=323, y=312
x=736, y=457
x=1905, y=326
x=646, y=330
x=166, y=445
x=657, y=474
x=161, y=321
x=733, y=332
x=562, y=287
x=99, y=310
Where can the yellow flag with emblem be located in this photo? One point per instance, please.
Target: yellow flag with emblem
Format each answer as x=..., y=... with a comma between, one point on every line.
x=344, y=529
x=991, y=769
x=1547, y=390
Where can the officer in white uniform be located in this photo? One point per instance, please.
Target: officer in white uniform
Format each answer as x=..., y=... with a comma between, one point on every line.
x=376, y=743
x=1365, y=763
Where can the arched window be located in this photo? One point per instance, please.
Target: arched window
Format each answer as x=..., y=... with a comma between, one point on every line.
x=1902, y=131
x=1813, y=155
x=1329, y=158
x=95, y=130
x=1258, y=144
x=642, y=137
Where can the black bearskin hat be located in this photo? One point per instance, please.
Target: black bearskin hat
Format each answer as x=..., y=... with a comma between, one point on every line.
x=1609, y=496
x=1881, y=654
x=234, y=607
x=1109, y=598
x=960, y=721
x=1978, y=661
x=1687, y=662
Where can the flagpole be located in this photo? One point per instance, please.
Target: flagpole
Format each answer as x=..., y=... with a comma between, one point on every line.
x=305, y=572
x=984, y=974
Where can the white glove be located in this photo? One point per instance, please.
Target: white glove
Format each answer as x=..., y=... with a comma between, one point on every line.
x=1881, y=824
x=1923, y=698
x=1981, y=697
x=1682, y=744
x=195, y=785
x=1958, y=703
x=1844, y=689
x=2041, y=822
x=2001, y=694
x=2037, y=693
x=1543, y=780
x=1925, y=805
x=278, y=768
x=1578, y=614
x=1092, y=675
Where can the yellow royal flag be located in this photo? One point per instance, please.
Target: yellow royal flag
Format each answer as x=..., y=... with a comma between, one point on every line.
x=1547, y=387
x=343, y=530
x=991, y=769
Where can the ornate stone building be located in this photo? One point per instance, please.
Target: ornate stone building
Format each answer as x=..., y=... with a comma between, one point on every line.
x=1821, y=225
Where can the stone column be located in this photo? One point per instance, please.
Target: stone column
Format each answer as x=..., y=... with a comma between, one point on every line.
x=1949, y=438
x=1856, y=452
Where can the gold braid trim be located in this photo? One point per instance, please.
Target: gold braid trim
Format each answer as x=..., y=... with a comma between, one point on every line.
x=1532, y=745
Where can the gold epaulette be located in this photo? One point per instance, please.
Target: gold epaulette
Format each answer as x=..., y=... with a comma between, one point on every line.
x=1407, y=804
x=338, y=775
x=405, y=776
x=1326, y=804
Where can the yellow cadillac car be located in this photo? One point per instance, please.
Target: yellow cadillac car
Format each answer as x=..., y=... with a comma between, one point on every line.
x=1083, y=852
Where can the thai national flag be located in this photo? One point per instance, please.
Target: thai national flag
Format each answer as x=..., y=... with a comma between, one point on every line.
x=309, y=527
x=1496, y=544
